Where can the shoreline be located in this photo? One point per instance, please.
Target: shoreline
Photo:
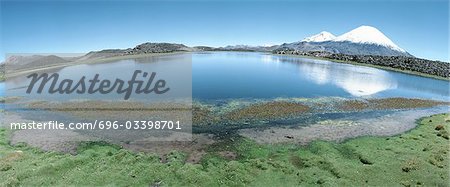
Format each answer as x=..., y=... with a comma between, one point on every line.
x=339, y=130
x=366, y=65
x=261, y=129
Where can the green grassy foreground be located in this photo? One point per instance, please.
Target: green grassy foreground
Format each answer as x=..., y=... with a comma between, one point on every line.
x=418, y=157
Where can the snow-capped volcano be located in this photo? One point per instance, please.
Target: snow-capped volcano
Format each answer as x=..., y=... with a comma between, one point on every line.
x=368, y=35
x=321, y=37
x=364, y=40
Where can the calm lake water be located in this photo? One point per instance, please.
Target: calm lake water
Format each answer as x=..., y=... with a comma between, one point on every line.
x=2, y=88
x=228, y=75
x=255, y=75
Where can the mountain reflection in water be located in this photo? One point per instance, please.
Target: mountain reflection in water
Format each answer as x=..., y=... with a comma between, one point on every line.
x=357, y=81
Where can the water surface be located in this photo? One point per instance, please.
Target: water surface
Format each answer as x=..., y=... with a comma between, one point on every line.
x=238, y=75
x=256, y=75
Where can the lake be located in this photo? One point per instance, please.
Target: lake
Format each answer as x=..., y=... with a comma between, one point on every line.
x=247, y=75
x=222, y=75
x=224, y=80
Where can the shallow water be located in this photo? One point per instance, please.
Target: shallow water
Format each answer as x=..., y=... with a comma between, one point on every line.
x=232, y=75
x=342, y=128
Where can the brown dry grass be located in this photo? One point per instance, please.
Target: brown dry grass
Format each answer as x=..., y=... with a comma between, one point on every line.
x=388, y=103
x=270, y=110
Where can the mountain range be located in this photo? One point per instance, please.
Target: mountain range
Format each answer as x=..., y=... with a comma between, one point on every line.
x=364, y=44
x=268, y=48
x=364, y=40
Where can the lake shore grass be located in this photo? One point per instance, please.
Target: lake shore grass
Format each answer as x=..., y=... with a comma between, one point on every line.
x=367, y=65
x=418, y=157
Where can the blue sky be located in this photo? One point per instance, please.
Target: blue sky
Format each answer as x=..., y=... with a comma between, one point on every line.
x=420, y=27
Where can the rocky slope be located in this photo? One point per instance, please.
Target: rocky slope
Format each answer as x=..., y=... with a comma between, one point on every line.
x=343, y=47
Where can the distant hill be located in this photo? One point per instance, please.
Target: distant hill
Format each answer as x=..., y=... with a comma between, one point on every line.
x=204, y=48
x=144, y=48
x=32, y=62
x=158, y=48
x=37, y=61
x=247, y=48
x=2, y=72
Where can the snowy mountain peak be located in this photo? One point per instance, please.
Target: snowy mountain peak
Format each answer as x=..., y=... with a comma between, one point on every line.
x=368, y=35
x=321, y=37
x=361, y=35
